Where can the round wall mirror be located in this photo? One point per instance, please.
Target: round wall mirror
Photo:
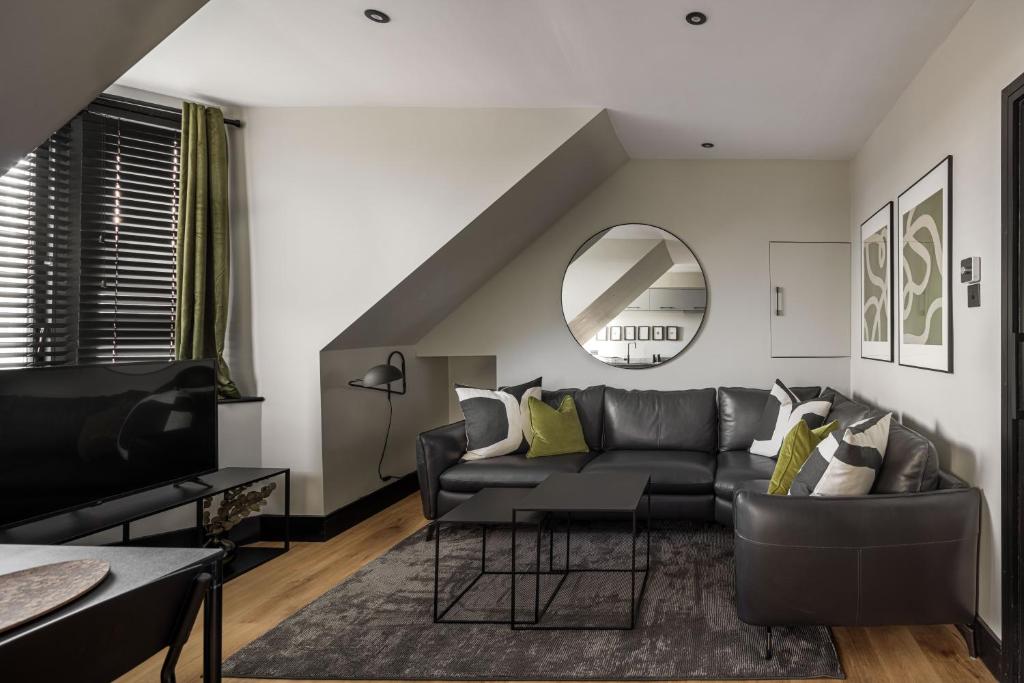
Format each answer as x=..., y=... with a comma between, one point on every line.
x=634, y=296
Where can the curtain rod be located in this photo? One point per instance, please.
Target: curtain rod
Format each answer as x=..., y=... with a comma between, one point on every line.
x=151, y=109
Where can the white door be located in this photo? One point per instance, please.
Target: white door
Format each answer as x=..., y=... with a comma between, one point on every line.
x=809, y=299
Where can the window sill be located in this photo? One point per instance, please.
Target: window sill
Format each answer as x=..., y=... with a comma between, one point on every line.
x=243, y=399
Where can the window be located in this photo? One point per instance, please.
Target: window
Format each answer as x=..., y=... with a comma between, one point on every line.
x=88, y=233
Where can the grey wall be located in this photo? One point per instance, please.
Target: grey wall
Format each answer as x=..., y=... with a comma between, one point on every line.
x=726, y=211
x=57, y=55
x=952, y=107
x=354, y=420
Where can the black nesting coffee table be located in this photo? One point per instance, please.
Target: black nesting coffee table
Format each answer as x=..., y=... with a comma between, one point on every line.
x=595, y=493
x=488, y=508
x=560, y=495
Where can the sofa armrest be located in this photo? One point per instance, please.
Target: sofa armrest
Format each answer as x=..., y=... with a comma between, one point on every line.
x=858, y=560
x=436, y=451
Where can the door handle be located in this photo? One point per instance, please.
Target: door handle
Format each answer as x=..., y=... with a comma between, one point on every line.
x=778, y=301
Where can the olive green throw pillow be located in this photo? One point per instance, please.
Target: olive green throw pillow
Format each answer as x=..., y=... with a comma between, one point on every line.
x=797, y=446
x=555, y=432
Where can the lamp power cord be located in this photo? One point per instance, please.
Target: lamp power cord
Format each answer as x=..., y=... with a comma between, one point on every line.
x=383, y=450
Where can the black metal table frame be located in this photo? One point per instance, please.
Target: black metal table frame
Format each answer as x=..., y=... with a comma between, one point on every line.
x=484, y=571
x=635, y=600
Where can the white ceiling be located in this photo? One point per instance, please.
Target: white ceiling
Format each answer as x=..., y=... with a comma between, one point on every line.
x=763, y=79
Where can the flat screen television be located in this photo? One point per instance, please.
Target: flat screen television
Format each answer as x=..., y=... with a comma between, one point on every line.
x=72, y=436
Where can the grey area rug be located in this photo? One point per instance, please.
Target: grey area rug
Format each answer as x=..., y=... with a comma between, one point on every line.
x=378, y=624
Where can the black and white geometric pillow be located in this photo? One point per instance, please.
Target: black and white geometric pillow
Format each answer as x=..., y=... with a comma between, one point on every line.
x=523, y=393
x=847, y=467
x=494, y=419
x=771, y=429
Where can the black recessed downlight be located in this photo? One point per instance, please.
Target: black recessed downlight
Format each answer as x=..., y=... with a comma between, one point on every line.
x=707, y=145
x=696, y=18
x=375, y=15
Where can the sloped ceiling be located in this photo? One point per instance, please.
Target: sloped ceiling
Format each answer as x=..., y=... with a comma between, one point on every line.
x=448, y=277
x=57, y=55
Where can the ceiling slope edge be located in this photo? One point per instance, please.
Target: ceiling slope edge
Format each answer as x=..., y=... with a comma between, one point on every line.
x=519, y=216
x=55, y=57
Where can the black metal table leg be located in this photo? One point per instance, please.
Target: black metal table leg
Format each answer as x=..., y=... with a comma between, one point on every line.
x=287, y=508
x=512, y=597
x=437, y=564
x=632, y=578
x=536, y=594
x=212, y=615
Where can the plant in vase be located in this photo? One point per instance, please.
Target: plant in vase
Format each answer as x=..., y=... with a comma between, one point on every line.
x=235, y=505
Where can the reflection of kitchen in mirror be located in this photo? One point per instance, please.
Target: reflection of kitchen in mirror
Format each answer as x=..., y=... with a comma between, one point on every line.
x=634, y=296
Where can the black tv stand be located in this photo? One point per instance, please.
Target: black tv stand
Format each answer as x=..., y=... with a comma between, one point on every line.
x=121, y=512
x=194, y=480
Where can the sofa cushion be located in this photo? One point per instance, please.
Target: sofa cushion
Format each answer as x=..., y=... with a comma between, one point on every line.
x=508, y=470
x=739, y=410
x=660, y=420
x=590, y=408
x=911, y=463
x=736, y=467
x=675, y=472
x=845, y=410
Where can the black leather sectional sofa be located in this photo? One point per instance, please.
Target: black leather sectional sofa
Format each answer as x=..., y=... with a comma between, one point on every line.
x=905, y=554
x=693, y=443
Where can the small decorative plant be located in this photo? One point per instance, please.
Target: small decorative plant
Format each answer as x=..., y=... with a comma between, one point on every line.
x=235, y=505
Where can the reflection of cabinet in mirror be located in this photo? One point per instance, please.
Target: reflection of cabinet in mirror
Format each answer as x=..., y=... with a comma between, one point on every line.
x=642, y=303
x=671, y=299
x=678, y=299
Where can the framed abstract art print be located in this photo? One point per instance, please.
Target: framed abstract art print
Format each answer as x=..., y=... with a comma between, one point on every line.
x=924, y=263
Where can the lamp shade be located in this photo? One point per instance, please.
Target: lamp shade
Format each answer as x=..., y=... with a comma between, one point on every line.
x=381, y=374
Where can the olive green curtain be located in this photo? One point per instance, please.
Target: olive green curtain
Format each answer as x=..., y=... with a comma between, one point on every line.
x=203, y=245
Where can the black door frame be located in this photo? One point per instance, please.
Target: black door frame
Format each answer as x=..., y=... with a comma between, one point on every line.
x=1012, y=389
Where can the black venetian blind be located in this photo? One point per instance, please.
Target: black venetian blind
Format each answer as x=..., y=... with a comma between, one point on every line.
x=87, y=243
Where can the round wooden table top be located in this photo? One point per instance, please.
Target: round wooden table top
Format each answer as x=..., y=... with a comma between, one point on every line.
x=30, y=593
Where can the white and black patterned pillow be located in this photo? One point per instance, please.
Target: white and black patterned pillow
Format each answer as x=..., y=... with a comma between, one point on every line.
x=847, y=467
x=494, y=419
x=523, y=393
x=771, y=428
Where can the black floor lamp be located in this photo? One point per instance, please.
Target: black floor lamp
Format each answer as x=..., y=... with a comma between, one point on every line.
x=380, y=378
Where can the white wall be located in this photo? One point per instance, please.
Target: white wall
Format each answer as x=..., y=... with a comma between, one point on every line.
x=726, y=211
x=952, y=107
x=343, y=204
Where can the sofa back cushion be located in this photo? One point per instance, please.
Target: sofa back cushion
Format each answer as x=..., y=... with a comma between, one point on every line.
x=739, y=410
x=845, y=410
x=660, y=420
x=589, y=406
x=911, y=463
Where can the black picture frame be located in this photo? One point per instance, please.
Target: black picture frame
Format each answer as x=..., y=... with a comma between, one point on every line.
x=890, y=208
x=629, y=333
x=615, y=333
x=643, y=333
x=672, y=333
x=658, y=333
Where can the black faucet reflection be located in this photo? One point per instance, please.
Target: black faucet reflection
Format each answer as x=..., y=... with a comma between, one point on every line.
x=628, y=345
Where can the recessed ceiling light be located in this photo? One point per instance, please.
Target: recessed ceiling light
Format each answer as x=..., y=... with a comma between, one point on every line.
x=707, y=145
x=376, y=16
x=696, y=18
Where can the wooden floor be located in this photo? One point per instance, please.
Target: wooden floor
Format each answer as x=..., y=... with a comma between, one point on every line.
x=257, y=601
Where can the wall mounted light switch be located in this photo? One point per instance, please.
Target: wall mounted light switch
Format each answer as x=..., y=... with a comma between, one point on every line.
x=970, y=270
